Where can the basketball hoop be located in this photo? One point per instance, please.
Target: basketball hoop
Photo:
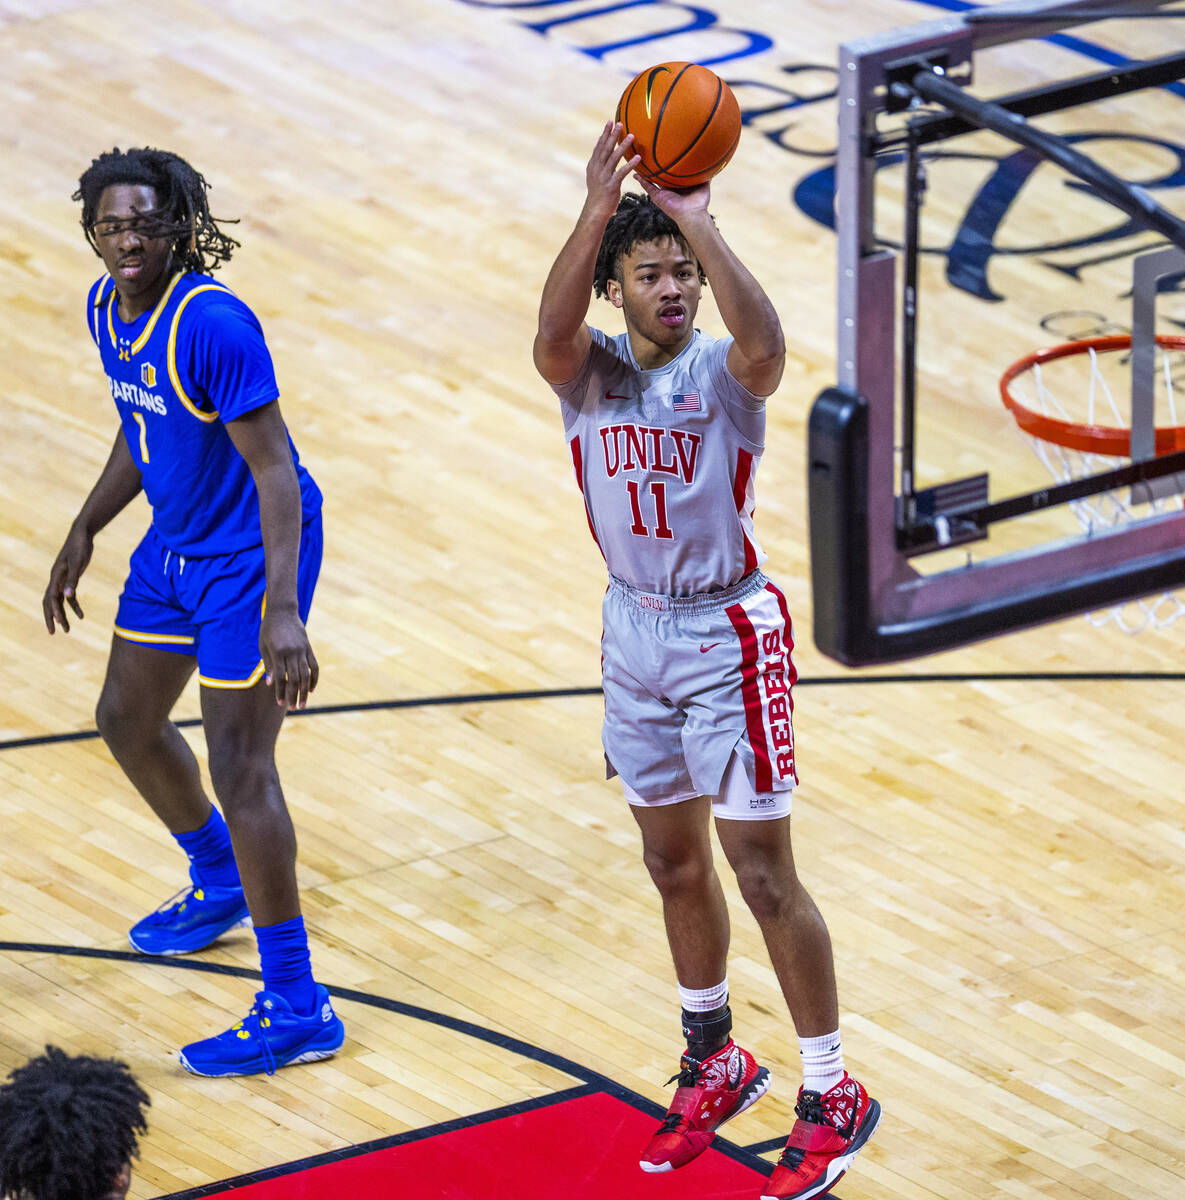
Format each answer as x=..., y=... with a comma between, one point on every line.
x=1073, y=444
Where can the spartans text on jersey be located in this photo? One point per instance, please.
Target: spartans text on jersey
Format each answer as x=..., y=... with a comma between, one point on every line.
x=130, y=393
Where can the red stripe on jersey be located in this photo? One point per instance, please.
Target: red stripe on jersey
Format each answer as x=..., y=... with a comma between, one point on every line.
x=740, y=491
x=788, y=634
x=788, y=642
x=751, y=693
x=578, y=463
x=603, y=653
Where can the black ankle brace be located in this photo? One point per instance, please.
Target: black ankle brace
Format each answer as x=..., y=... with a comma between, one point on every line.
x=706, y=1032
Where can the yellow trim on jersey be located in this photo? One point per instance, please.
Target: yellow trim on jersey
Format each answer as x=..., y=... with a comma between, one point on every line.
x=99, y=284
x=250, y=681
x=138, y=344
x=171, y=359
x=174, y=639
x=110, y=324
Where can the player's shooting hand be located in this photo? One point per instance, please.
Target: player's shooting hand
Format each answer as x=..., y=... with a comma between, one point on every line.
x=67, y=569
x=677, y=204
x=288, y=661
x=611, y=162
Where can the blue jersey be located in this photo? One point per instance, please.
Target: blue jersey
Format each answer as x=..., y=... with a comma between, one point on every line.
x=178, y=374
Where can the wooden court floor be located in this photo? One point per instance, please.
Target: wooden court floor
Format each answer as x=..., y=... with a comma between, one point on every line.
x=998, y=850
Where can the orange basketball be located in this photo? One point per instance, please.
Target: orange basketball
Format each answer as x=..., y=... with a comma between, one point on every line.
x=685, y=120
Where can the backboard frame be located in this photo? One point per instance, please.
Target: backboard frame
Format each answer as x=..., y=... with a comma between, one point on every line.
x=870, y=604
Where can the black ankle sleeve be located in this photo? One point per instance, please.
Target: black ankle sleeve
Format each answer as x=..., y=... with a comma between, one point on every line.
x=708, y=1030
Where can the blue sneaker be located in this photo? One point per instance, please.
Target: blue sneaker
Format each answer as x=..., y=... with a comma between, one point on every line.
x=270, y=1036
x=191, y=920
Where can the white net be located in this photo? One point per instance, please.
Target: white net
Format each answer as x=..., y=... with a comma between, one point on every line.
x=1043, y=390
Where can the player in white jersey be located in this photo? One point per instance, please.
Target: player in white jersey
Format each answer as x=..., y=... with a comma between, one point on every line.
x=666, y=427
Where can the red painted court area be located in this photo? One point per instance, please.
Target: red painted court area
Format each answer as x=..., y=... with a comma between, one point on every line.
x=585, y=1148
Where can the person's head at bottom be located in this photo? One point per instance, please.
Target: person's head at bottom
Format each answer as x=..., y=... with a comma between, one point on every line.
x=70, y=1126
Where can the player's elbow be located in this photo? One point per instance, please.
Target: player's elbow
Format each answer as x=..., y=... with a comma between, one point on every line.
x=771, y=350
x=543, y=354
x=772, y=361
x=762, y=345
x=556, y=358
x=555, y=332
x=767, y=361
x=762, y=372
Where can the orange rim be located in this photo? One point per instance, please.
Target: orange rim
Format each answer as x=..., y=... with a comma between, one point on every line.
x=1090, y=439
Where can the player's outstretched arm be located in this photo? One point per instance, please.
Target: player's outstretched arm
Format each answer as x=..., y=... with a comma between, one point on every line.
x=758, y=352
x=561, y=345
x=261, y=437
x=117, y=486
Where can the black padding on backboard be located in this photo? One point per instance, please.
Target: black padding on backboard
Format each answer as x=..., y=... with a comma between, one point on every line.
x=837, y=491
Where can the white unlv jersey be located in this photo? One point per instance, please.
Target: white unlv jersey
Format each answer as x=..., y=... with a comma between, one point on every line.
x=666, y=461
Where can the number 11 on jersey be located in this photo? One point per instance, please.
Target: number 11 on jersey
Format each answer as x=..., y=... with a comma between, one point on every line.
x=658, y=491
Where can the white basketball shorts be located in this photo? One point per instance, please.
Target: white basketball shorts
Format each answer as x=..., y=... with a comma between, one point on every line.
x=694, y=684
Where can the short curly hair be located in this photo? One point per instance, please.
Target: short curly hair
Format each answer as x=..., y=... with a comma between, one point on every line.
x=198, y=242
x=637, y=219
x=68, y=1124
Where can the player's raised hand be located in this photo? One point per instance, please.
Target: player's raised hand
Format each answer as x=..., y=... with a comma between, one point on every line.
x=290, y=667
x=64, y=575
x=677, y=204
x=611, y=162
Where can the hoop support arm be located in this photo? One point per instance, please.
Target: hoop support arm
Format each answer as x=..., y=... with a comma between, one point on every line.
x=1131, y=199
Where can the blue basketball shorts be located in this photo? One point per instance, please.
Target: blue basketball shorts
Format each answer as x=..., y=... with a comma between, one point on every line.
x=698, y=697
x=210, y=607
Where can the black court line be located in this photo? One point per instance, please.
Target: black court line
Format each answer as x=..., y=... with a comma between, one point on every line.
x=323, y=710
x=765, y=1147
x=593, y=1081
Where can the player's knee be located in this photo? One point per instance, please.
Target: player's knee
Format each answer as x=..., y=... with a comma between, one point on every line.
x=767, y=888
x=119, y=723
x=240, y=773
x=678, y=873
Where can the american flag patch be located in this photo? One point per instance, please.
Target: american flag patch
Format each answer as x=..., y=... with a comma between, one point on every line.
x=685, y=402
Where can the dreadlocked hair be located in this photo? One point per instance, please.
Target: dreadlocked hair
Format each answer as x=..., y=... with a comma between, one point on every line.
x=68, y=1124
x=637, y=219
x=184, y=213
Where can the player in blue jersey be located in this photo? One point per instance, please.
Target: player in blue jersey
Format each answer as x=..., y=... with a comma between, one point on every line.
x=221, y=583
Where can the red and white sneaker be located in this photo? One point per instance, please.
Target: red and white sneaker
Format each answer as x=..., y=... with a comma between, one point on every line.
x=709, y=1093
x=830, y=1131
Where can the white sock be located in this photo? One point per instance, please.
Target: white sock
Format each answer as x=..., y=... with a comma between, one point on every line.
x=704, y=999
x=822, y=1062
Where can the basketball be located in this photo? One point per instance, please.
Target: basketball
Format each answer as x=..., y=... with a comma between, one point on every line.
x=685, y=120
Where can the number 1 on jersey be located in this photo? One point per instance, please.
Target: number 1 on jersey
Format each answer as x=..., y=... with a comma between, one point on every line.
x=659, y=491
x=139, y=419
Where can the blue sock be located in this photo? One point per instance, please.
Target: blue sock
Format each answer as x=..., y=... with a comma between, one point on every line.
x=284, y=959
x=210, y=852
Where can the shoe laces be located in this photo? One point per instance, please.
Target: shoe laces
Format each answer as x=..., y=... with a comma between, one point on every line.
x=174, y=904
x=792, y=1158
x=255, y=1022
x=689, y=1074
x=809, y=1108
x=672, y=1121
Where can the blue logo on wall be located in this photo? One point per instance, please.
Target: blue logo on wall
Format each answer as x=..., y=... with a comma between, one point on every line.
x=698, y=34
